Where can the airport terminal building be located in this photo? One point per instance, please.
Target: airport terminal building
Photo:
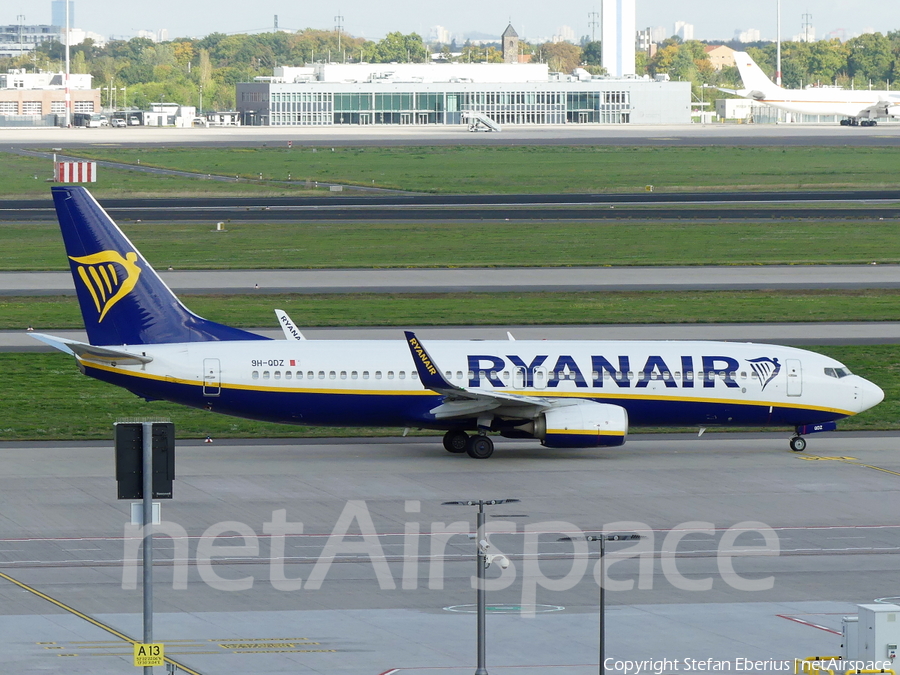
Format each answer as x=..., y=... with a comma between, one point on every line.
x=446, y=93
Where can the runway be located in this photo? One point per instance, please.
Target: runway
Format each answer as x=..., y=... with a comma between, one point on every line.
x=458, y=280
x=885, y=135
x=822, y=525
x=729, y=205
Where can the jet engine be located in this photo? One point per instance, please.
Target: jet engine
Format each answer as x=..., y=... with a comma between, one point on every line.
x=584, y=424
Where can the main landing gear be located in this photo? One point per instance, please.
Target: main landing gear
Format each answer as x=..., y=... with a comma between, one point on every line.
x=857, y=122
x=477, y=447
x=798, y=444
x=455, y=441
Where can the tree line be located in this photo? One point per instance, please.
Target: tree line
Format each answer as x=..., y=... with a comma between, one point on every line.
x=185, y=70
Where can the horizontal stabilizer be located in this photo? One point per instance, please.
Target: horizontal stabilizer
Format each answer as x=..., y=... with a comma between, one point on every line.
x=91, y=352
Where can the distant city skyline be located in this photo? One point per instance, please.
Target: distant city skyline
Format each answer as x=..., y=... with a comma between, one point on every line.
x=711, y=20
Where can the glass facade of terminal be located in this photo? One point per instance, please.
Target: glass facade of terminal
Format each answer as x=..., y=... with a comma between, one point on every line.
x=325, y=104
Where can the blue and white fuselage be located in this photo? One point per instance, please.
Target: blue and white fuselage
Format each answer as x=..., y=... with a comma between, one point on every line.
x=375, y=383
x=565, y=393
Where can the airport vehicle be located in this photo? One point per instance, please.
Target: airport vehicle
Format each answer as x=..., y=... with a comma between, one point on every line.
x=858, y=107
x=95, y=120
x=118, y=122
x=564, y=393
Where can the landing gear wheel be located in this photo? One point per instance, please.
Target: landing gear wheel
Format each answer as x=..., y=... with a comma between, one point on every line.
x=798, y=444
x=480, y=447
x=456, y=441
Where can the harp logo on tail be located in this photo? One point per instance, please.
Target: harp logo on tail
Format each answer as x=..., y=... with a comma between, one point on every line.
x=108, y=276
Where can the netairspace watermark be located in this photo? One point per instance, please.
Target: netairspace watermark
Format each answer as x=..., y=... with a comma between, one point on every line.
x=737, y=665
x=354, y=535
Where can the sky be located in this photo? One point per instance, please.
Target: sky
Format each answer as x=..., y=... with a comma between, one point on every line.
x=711, y=19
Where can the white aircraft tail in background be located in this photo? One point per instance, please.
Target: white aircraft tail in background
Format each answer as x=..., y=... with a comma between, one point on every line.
x=858, y=108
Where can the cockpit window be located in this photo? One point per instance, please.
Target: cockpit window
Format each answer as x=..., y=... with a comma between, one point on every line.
x=837, y=372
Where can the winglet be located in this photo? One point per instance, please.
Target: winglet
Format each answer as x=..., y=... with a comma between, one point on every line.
x=429, y=373
x=291, y=332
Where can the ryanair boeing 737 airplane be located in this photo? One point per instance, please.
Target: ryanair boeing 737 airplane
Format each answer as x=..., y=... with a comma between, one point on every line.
x=573, y=394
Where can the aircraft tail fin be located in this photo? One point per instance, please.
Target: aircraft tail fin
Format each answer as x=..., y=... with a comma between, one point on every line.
x=755, y=80
x=123, y=300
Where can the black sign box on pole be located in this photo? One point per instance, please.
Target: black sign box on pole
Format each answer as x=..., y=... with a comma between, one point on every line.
x=129, y=448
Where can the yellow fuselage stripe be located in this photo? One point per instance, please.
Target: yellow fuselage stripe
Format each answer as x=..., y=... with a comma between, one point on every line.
x=588, y=394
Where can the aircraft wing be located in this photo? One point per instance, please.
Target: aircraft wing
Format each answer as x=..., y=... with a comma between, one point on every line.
x=92, y=352
x=464, y=402
x=884, y=108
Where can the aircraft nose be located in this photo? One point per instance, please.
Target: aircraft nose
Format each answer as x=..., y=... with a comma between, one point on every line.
x=871, y=395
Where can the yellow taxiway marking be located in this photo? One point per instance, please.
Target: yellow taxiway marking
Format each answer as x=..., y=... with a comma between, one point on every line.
x=853, y=462
x=89, y=619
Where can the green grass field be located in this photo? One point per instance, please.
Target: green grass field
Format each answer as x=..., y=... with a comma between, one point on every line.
x=46, y=398
x=531, y=169
x=46, y=313
x=29, y=177
x=38, y=246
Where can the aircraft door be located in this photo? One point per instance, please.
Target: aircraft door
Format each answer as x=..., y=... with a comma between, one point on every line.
x=794, y=377
x=212, y=377
x=519, y=378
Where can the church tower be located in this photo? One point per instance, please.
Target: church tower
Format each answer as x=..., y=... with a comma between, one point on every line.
x=510, y=45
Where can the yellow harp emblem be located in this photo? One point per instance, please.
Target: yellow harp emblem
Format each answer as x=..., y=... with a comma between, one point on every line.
x=108, y=276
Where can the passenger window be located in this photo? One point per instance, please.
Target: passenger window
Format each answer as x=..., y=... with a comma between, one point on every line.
x=448, y=374
x=277, y=374
x=332, y=375
x=343, y=374
x=354, y=375
x=310, y=375
x=255, y=375
x=459, y=375
x=402, y=374
x=288, y=374
x=505, y=374
x=299, y=374
x=365, y=374
x=377, y=374
x=390, y=375
x=265, y=374
x=414, y=375
x=471, y=375
x=321, y=374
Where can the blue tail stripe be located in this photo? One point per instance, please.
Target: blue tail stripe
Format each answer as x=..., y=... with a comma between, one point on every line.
x=123, y=300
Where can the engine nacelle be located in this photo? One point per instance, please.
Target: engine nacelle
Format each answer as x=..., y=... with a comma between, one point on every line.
x=582, y=425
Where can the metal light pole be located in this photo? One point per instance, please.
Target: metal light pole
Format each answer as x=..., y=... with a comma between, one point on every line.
x=778, y=43
x=603, y=538
x=483, y=561
x=68, y=93
x=147, y=467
